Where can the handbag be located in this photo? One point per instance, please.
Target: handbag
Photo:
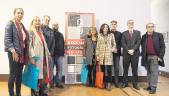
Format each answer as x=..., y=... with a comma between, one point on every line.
x=30, y=75
x=84, y=72
x=99, y=77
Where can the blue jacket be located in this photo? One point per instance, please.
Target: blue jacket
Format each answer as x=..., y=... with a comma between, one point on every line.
x=12, y=41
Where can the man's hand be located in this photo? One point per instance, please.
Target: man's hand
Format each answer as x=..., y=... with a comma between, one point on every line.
x=131, y=51
x=159, y=59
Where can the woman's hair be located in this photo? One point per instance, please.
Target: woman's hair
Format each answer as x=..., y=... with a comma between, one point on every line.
x=89, y=33
x=102, y=27
x=17, y=9
x=32, y=28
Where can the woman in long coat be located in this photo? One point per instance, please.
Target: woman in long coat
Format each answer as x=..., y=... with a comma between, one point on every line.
x=90, y=53
x=38, y=47
x=105, y=46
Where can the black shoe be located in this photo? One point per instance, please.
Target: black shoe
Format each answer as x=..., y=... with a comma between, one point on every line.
x=90, y=85
x=17, y=95
x=153, y=90
x=136, y=87
x=147, y=88
x=116, y=85
x=60, y=86
x=124, y=85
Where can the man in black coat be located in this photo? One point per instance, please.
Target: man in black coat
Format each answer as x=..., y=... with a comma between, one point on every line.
x=153, y=50
x=117, y=52
x=130, y=43
x=58, y=54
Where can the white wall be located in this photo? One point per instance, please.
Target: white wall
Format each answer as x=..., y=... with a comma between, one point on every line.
x=160, y=15
x=105, y=11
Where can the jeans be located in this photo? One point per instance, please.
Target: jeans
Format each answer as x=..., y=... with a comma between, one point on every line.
x=51, y=65
x=91, y=74
x=116, y=59
x=15, y=75
x=152, y=70
x=58, y=61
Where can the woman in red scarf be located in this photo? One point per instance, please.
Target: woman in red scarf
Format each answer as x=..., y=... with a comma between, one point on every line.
x=16, y=44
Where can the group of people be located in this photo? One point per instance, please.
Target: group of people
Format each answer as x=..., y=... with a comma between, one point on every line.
x=24, y=45
x=104, y=49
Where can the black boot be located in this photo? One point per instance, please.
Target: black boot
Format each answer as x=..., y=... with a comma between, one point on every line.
x=116, y=85
x=152, y=90
x=124, y=85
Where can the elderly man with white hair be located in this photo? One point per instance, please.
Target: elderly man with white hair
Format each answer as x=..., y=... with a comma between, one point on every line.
x=153, y=50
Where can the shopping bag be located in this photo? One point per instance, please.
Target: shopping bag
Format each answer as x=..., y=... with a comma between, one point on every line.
x=99, y=77
x=30, y=75
x=84, y=72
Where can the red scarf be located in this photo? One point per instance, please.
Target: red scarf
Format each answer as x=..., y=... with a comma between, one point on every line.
x=21, y=41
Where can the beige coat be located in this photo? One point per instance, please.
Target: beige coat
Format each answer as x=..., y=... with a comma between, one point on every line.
x=105, y=44
x=36, y=48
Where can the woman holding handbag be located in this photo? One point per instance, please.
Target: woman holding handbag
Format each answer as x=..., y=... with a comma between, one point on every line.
x=89, y=53
x=38, y=47
x=105, y=46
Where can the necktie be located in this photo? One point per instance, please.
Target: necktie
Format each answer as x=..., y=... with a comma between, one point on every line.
x=131, y=33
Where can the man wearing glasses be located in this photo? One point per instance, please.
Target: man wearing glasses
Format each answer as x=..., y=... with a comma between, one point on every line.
x=153, y=50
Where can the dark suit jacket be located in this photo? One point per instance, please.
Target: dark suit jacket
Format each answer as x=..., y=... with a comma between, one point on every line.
x=117, y=36
x=159, y=47
x=133, y=43
x=49, y=38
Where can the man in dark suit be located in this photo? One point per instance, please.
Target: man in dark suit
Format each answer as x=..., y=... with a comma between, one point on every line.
x=58, y=54
x=117, y=51
x=130, y=43
x=153, y=50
